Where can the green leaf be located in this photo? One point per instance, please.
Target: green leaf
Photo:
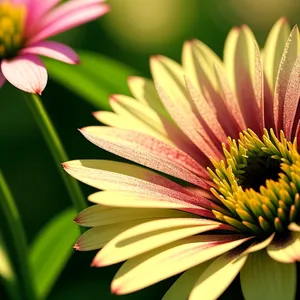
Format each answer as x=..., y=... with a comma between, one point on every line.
x=94, y=79
x=51, y=250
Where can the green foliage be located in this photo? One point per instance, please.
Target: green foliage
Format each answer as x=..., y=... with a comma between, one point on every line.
x=51, y=250
x=94, y=79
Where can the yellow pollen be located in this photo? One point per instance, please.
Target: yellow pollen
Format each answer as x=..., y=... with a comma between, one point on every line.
x=12, y=17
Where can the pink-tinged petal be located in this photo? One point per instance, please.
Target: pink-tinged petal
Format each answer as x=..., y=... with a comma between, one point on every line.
x=25, y=72
x=248, y=77
x=234, y=122
x=286, y=65
x=2, y=78
x=36, y=9
x=286, y=250
x=148, y=151
x=291, y=100
x=150, y=235
x=190, y=125
x=164, y=262
x=198, y=61
x=273, y=50
x=67, y=16
x=109, y=175
x=53, y=50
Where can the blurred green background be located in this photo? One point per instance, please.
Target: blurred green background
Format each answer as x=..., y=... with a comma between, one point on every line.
x=131, y=33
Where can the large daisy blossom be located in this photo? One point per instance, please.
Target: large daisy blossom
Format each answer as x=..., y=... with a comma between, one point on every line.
x=24, y=27
x=228, y=131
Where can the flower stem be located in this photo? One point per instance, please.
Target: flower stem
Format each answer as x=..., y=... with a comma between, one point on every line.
x=18, y=237
x=56, y=149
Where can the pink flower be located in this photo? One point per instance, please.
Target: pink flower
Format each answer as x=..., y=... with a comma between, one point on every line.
x=24, y=27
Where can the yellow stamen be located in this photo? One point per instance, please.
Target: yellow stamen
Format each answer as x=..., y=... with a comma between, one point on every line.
x=12, y=17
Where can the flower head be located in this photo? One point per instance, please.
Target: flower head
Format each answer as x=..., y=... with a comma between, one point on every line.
x=24, y=27
x=228, y=131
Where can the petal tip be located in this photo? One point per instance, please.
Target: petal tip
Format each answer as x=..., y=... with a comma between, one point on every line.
x=76, y=247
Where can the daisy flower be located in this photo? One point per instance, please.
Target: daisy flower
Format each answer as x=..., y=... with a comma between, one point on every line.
x=24, y=27
x=222, y=200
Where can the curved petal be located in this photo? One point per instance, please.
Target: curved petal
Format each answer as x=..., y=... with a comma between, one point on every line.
x=147, y=151
x=133, y=199
x=264, y=278
x=286, y=251
x=273, y=50
x=288, y=59
x=97, y=237
x=183, y=286
x=218, y=276
x=159, y=264
x=36, y=9
x=150, y=235
x=144, y=91
x=2, y=78
x=67, y=16
x=53, y=50
x=25, y=72
x=98, y=215
x=109, y=175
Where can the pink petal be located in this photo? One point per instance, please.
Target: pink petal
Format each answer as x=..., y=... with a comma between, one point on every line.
x=190, y=125
x=291, y=99
x=36, y=9
x=69, y=15
x=53, y=50
x=148, y=151
x=125, y=177
x=2, y=78
x=286, y=65
x=25, y=72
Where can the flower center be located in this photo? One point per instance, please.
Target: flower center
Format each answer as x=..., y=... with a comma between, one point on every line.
x=259, y=183
x=12, y=18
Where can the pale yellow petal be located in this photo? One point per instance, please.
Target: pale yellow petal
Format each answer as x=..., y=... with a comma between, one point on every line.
x=169, y=74
x=148, y=236
x=97, y=237
x=98, y=215
x=144, y=91
x=229, y=54
x=294, y=227
x=218, y=276
x=131, y=199
x=287, y=251
x=141, y=117
x=263, y=278
x=158, y=264
x=259, y=245
x=273, y=50
x=183, y=286
x=198, y=61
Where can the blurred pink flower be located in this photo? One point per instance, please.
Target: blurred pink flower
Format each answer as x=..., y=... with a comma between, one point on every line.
x=24, y=27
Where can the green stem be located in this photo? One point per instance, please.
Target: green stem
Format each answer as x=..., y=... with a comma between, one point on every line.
x=7, y=273
x=56, y=149
x=18, y=237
